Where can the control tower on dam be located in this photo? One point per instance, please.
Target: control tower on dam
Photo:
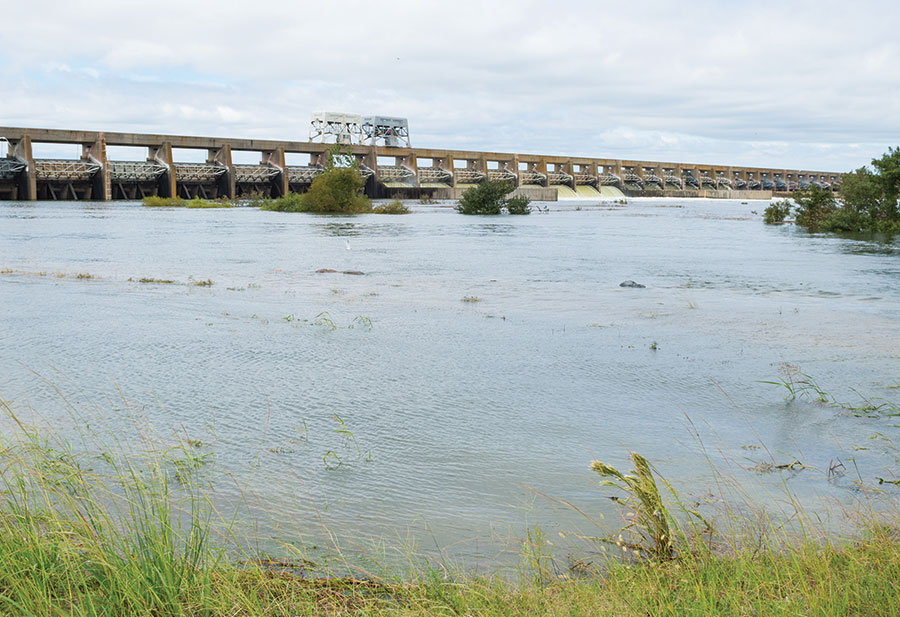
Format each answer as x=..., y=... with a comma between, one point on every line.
x=390, y=167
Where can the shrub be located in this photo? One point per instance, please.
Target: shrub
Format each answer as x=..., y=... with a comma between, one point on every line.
x=489, y=197
x=814, y=206
x=336, y=191
x=155, y=201
x=395, y=207
x=777, y=212
x=518, y=205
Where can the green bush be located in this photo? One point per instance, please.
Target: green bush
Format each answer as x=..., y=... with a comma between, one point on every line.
x=489, y=197
x=336, y=191
x=777, y=212
x=518, y=205
x=814, y=206
x=395, y=207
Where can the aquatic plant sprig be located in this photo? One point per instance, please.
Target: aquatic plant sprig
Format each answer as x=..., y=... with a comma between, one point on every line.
x=800, y=385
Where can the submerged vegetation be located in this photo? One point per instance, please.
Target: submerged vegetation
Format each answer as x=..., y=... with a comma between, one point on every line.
x=177, y=202
x=394, y=207
x=490, y=197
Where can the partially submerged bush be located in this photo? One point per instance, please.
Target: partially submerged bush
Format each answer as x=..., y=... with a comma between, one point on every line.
x=814, y=207
x=336, y=191
x=518, y=205
x=489, y=197
x=777, y=212
x=395, y=207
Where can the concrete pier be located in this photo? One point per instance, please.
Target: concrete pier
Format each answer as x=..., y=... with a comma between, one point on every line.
x=388, y=170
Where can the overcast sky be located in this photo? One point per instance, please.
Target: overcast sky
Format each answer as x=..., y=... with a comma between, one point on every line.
x=812, y=85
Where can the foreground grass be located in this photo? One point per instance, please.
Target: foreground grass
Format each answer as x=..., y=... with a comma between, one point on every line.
x=136, y=534
x=51, y=570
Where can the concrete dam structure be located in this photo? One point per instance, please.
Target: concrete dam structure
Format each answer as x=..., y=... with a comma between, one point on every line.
x=389, y=171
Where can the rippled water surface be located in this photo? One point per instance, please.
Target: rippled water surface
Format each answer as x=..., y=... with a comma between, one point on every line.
x=475, y=359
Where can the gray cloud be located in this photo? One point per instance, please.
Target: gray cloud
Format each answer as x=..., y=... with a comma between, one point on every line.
x=799, y=84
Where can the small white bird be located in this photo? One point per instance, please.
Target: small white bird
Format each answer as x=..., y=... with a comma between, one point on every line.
x=347, y=244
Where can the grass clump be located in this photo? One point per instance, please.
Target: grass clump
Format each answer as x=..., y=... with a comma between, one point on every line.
x=206, y=203
x=395, y=207
x=154, y=201
x=490, y=197
x=148, y=280
x=776, y=212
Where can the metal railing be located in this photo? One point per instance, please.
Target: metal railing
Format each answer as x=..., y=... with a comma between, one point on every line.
x=468, y=176
x=396, y=173
x=560, y=177
x=303, y=174
x=198, y=172
x=435, y=174
x=651, y=178
x=135, y=171
x=503, y=175
x=10, y=168
x=633, y=179
x=671, y=180
x=586, y=179
x=255, y=174
x=529, y=176
x=609, y=179
x=65, y=170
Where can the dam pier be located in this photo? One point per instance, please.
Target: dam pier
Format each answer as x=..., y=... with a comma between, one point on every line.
x=389, y=171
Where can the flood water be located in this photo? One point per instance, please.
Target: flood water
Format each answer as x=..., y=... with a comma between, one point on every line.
x=475, y=359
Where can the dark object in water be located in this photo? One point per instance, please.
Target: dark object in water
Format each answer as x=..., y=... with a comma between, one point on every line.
x=325, y=271
x=631, y=284
x=354, y=272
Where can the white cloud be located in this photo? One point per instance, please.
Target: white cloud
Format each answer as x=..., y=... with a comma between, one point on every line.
x=799, y=84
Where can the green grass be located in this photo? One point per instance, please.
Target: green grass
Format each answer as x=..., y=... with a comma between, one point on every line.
x=121, y=532
x=152, y=281
x=162, y=202
x=206, y=203
x=178, y=202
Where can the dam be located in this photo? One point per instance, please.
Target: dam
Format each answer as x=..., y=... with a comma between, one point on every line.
x=389, y=170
